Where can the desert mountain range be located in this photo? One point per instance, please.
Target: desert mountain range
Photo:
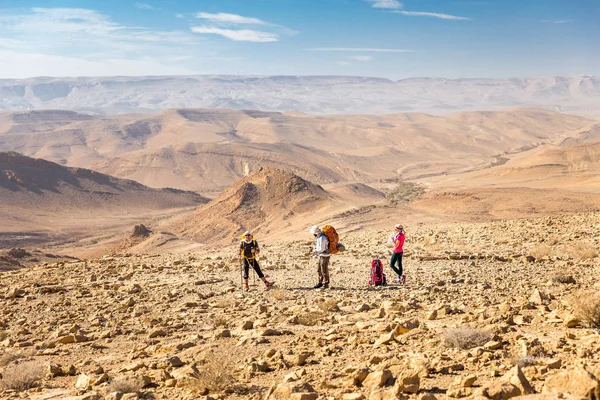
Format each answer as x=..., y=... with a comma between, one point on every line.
x=208, y=150
x=278, y=173
x=309, y=94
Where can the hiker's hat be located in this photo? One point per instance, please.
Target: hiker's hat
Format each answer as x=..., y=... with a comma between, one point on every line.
x=398, y=226
x=315, y=229
x=247, y=233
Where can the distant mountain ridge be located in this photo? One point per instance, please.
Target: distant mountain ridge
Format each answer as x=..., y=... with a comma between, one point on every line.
x=208, y=150
x=308, y=94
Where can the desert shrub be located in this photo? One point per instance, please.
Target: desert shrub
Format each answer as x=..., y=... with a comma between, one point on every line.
x=311, y=318
x=540, y=251
x=405, y=192
x=8, y=358
x=328, y=305
x=562, y=277
x=583, y=251
x=127, y=384
x=465, y=338
x=215, y=374
x=525, y=361
x=223, y=303
x=586, y=305
x=23, y=376
x=221, y=321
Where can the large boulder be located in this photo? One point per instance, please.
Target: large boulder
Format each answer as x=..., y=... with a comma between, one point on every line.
x=576, y=381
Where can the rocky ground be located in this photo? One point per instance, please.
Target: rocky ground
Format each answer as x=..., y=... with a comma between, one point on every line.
x=492, y=310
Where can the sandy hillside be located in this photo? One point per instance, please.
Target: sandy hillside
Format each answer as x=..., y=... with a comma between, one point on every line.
x=40, y=199
x=208, y=150
x=560, y=177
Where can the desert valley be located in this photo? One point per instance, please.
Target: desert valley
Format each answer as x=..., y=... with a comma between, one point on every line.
x=121, y=221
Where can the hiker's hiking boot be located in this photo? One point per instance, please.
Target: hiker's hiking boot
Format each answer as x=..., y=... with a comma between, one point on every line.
x=403, y=279
x=268, y=284
x=398, y=280
x=246, y=288
x=318, y=286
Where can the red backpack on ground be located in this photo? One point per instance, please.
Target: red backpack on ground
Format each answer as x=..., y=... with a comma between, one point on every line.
x=377, y=275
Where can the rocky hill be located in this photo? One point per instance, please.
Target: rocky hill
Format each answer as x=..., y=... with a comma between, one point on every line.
x=265, y=200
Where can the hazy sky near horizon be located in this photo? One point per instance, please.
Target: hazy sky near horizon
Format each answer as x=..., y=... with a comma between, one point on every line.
x=383, y=38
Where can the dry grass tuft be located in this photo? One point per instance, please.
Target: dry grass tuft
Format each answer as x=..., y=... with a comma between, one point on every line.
x=8, y=358
x=23, y=376
x=221, y=321
x=329, y=305
x=126, y=384
x=540, y=251
x=224, y=303
x=525, y=361
x=564, y=278
x=215, y=375
x=583, y=251
x=466, y=338
x=311, y=318
x=586, y=305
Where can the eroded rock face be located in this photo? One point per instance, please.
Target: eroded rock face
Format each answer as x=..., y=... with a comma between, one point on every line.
x=178, y=326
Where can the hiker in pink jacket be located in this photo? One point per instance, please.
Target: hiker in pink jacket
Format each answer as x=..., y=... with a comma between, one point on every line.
x=398, y=243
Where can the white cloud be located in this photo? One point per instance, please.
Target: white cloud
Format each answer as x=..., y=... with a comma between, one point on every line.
x=434, y=15
x=230, y=18
x=227, y=25
x=362, y=58
x=11, y=43
x=242, y=35
x=24, y=65
x=144, y=6
x=351, y=49
x=85, y=42
x=394, y=4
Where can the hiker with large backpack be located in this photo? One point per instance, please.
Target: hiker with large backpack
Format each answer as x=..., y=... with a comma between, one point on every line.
x=327, y=241
x=249, y=250
x=397, y=241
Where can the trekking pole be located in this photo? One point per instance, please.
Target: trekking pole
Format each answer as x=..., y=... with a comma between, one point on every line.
x=241, y=273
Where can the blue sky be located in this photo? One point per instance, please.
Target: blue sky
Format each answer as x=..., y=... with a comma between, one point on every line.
x=383, y=38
